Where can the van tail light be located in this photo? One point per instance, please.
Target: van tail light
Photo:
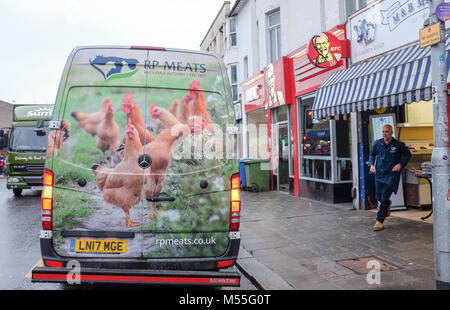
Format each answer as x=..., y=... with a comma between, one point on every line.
x=235, y=208
x=47, y=200
x=225, y=263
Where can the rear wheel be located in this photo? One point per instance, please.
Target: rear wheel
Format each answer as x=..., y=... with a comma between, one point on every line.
x=17, y=192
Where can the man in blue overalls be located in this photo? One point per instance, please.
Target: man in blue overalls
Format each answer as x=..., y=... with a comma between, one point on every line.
x=391, y=156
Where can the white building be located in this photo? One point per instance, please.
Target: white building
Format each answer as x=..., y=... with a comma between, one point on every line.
x=260, y=35
x=213, y=41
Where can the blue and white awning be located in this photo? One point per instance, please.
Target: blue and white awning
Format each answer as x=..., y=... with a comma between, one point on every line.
x=392, y=80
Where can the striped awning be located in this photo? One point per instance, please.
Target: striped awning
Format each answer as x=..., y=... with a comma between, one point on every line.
x=395, y=79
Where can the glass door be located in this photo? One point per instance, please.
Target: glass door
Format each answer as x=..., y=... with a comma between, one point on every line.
x=283, y=148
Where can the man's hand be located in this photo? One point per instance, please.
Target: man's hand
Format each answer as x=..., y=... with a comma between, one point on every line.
x=397, y=168
x=372, y=169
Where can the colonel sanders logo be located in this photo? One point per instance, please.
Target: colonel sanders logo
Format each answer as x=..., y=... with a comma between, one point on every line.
x=324, y=50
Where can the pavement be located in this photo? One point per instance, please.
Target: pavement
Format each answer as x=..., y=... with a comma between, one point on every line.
x=292, y=243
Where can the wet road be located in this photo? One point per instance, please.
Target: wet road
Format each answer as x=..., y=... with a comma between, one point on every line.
x=19, y=242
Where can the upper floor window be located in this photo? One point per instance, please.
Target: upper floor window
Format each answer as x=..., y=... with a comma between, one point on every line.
x=274, y=29
x=234, y=82
x=233, y=38
x=352, y=6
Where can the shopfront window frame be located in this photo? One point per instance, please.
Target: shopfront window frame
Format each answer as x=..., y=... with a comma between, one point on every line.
x=333, y=160
x=275, y=124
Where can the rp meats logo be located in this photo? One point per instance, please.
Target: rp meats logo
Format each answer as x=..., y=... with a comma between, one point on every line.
x=114, y=67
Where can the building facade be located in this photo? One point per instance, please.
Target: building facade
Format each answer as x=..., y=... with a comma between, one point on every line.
x=275, y=85
x=6, y=114
x=213, y=41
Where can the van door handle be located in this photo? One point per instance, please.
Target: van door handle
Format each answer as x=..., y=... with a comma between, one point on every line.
x=160, y=199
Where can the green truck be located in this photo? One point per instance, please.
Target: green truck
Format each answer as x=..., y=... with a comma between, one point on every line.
x=27, y=147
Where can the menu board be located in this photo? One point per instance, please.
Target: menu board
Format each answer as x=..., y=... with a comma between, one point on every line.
x=377, y=123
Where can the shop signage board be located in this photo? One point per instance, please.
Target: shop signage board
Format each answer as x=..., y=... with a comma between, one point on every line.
x=385, y=26
x=307, y=76
x=443, y=11
x=325, y=50
x=254, y=92
x=278, y=81
x=430, y=35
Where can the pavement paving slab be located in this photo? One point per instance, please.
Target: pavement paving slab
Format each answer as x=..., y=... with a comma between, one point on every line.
x=290, y=242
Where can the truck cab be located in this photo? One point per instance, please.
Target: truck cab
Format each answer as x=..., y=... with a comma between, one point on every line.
x=27, y=147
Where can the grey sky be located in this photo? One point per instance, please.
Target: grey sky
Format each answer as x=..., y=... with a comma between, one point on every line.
x=37, y=36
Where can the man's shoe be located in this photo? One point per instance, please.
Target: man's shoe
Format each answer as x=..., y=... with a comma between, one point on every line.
x=389, y=208
x=378, y=226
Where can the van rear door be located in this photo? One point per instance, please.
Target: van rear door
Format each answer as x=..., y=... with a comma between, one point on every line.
x=187, y=187
x=97, y=206
x=167, y=196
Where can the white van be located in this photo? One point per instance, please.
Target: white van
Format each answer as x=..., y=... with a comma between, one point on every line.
x=145, y=189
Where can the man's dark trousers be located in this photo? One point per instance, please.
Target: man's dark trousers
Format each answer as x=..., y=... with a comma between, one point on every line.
x=384, y=192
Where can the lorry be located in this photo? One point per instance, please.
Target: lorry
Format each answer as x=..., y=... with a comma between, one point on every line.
x=26, y=147
x=146, y=188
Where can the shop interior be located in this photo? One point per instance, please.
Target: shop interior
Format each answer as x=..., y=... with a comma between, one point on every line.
x=413, y=125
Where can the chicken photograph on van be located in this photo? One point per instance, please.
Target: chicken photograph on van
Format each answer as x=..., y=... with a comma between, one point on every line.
x=114, y=129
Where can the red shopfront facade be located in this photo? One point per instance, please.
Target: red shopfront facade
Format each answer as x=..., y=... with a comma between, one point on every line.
x=303, y=152
x=268, y=99
x=324, y=146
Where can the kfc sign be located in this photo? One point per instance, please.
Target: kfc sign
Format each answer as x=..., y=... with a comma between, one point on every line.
x=325, y=50
x=275, y=87
x=253, y=93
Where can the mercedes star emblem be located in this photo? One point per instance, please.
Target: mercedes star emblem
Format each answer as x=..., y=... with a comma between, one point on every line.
x=145, y=161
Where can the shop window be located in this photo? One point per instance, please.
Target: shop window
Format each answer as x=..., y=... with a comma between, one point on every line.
x=233, y=37
x=274, y=33
x=282, y=114
x=258, y=135
x=325, y=148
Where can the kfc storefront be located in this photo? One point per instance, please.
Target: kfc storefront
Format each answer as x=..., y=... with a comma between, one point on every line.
x=310, y=158
x=268, y=98
x=324, y=146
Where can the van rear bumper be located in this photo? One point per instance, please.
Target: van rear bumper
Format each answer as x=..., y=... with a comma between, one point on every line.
x=123, y=276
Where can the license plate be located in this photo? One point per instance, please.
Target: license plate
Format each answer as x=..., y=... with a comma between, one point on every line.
x=37, y=188
x=98, y=246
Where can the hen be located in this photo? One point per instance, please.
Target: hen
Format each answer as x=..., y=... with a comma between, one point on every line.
x=134, y=117
x=160, y=150
x=199, y=105
x=89, y=122
x=122, y=185
x=108, y=134
x=185, y=117
x=156, y=125
x=56, y=139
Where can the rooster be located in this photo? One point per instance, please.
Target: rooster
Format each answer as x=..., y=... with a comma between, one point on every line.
x=89, y=122
x=108, y=134
x=198, y=115
x=199, y=105
x=56, y=139
x=160, y=150
x=122, y=185
x=134, y=117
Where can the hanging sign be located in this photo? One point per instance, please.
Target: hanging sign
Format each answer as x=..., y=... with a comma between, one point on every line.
x=443, y=11
x=325, y=50
x=430, y=35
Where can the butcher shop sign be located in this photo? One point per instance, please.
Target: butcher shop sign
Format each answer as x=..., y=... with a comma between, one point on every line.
x=385, y=26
